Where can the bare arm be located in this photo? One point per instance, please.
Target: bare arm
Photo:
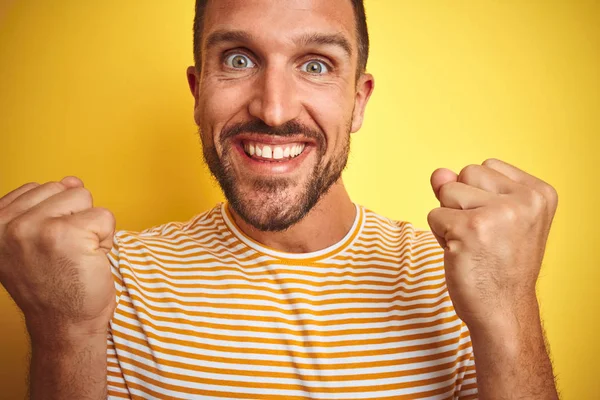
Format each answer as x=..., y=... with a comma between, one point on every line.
x=512, y=360
x=53, y=247
x=68, y=367
x=493, y=224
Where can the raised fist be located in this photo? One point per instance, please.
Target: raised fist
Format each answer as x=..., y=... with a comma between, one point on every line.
x=53, y=246
x=493, y=224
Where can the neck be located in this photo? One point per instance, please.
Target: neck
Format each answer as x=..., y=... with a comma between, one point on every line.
x=324, y=225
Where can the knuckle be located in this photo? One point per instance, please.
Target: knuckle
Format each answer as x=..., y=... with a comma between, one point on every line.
x=468, y=173
x=18, y=229
x=452, y=247
x=444, y=190
x=30, y=185
x=454, y=230
x=536, y=200
x=508, y=212
x=84, y=195
x=449, y=195
x=106, y=214
x=551, y=194
x=52, y=231
x=54, y=186
x=478, y=223
x=433, y=215
x=490, y=161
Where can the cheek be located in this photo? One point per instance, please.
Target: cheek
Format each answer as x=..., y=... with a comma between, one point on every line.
x=217, y=106
x=331, y=109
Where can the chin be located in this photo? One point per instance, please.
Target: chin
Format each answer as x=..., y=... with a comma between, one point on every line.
x=267, y=206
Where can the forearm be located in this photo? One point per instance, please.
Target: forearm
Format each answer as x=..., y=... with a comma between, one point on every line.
x=67, y=368
x=511, y=358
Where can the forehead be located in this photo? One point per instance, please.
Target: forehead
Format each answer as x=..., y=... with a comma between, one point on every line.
x=281, y=19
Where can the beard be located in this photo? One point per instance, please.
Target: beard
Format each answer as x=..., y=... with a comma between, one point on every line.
x=272, y=203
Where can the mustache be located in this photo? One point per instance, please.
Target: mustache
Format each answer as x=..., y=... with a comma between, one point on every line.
x=290, y=128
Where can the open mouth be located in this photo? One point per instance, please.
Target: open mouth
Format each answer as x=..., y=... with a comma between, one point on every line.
x=273, y=152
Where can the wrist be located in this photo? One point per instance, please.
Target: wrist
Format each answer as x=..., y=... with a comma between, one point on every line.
x=67, y=363
x=511, y=328
x=505, y=314
x=64, y=337
x=511, y=355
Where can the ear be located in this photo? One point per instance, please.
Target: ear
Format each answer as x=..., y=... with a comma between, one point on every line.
x=193, y=80
x=364, y=89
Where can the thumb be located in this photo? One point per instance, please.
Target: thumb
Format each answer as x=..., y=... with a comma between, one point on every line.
x=440, y=177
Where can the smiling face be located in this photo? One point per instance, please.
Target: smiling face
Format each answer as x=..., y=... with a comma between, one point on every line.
x=276, y=99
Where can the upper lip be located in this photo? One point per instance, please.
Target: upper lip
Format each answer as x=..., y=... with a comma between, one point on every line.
x=272, y=139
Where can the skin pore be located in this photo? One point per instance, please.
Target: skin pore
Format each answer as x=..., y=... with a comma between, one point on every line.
x=281, y=74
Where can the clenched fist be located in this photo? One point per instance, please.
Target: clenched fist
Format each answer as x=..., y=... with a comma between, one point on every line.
x=493, y=224
x=53, y=246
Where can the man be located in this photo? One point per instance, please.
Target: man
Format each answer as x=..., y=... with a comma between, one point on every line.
x=289, y=290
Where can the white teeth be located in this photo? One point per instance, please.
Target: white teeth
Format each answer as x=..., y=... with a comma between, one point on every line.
x=266, y=152
x=275, y=152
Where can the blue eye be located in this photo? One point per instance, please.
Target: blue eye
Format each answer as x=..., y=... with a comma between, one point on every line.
x=238, y=61
x=314, y=67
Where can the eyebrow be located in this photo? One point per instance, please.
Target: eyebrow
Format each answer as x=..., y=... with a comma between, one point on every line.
x=308, y=39
x=335, y=39
x=227, y=36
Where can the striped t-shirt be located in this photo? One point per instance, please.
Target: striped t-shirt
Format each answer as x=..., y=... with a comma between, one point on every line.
x=205, y=312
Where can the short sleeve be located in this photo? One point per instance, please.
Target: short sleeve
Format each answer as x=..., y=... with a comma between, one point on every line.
x=117, y=389
x=113, y=258
x=115, y=380
x=466, y=383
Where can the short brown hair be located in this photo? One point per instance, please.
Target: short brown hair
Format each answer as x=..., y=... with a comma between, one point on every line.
x=360, y=17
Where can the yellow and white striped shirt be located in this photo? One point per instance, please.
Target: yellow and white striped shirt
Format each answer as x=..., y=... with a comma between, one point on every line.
x=205, y=312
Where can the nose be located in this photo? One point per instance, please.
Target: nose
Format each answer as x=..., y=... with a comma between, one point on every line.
x=276, y=100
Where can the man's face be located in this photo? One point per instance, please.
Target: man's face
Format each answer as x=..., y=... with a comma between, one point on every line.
x=276, y=100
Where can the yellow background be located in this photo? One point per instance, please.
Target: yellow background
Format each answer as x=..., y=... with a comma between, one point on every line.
x=98, y=90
